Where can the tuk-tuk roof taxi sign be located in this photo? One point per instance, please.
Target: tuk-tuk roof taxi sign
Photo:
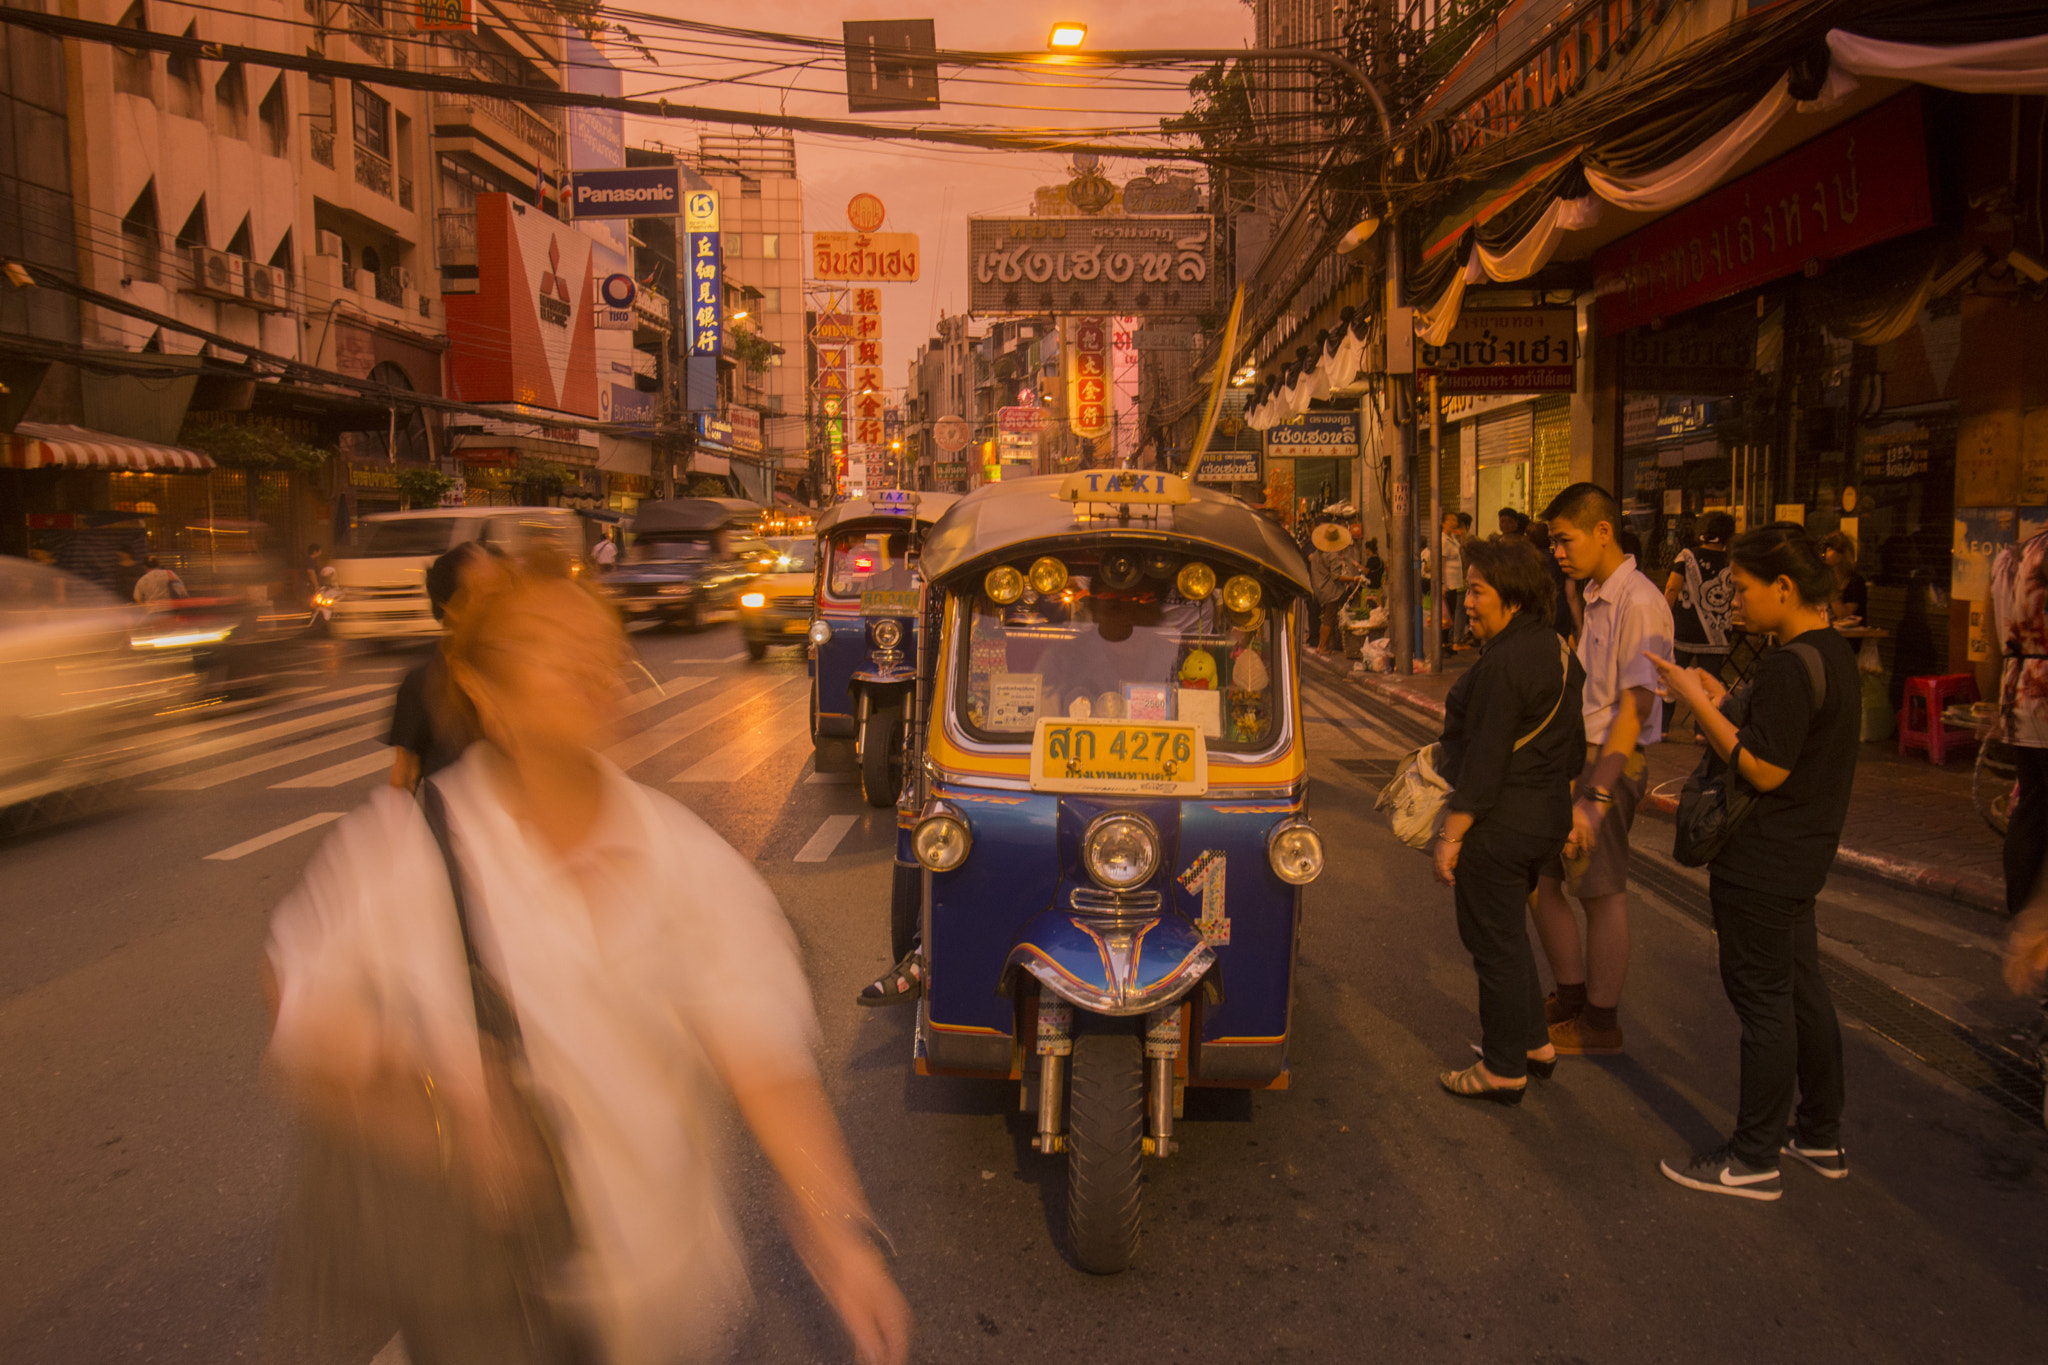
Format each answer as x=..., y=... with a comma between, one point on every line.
x=901, y=501
x=1128, y=487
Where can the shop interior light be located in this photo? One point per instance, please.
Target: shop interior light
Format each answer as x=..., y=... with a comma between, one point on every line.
x=1047, y=576
x=1241, y=592
x=1196, y=581
x=1066, y=37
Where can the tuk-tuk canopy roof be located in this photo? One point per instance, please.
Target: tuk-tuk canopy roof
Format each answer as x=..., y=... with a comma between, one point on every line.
x=930, y=507
x=691, y=516
x=1000, y=521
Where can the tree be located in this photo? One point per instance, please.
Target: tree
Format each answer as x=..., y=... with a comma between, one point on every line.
x=540, y=480
x=422, y=486
x=251, y=446
x=751, y=350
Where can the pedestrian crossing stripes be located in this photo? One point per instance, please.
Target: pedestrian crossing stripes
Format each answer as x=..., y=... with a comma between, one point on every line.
x=190, y=753
x=632, y=751
x=275, y=758
x=276, y=836
x=352, y=770
x=735, y=760
x=818, y=848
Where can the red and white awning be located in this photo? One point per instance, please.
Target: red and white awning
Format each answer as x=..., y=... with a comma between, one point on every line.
x=42, y=445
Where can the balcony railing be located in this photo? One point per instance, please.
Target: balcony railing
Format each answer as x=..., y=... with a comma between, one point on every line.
x=323, y=146
x=650, y=310
x=520, y=120
x=457, y=236
x=389, y=290
x=372, y=171
x=404, y=192
x=367, y=33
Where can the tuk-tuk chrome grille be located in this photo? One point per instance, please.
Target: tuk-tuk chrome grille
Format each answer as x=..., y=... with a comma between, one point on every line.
x=1090, y=900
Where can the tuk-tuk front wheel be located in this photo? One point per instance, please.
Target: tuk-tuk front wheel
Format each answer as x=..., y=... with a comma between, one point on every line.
x=881, y=753
x=1105, y=1149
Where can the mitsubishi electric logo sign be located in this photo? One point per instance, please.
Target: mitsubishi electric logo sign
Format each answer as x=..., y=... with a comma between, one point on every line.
x=554, y=290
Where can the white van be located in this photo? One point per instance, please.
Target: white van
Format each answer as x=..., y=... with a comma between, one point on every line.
x=383, y=582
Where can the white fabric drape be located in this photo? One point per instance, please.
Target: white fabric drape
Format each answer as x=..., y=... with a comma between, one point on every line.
x=2014, y=66
x=1433, y=324
x=1700, y=169
x=1540, y=243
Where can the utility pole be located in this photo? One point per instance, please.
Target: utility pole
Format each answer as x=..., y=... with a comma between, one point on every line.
x=678, y=383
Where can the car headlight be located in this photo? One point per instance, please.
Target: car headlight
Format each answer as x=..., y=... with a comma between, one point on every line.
x=753, y=599
x=941, y=841
x=1296, y=852
x=673, y=590
x=888, y=634
x=1120, y=851
x=326, y=597
x=821, y=632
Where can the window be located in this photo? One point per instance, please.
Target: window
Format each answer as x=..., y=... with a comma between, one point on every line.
x=239, y=244
x=282, y=257
x=372, y=120
x=231, y=102
x=735, y=245
x=275, y=116
x=194, y=231
x=131, y=65
x=750, y=188
x=184, y=73
x=771, y=301
x=771, y=245
x=139, y=236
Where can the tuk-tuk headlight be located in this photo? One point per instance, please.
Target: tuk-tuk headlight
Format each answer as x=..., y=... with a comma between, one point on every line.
x=1296, y=852
x=1003, y=585
x=753, y=599
x=821, y=632
x=1120, y=850
x=1241, y=592
x=888, y=634
x=941, y=842
x=1047, y=576
x=1196, y=581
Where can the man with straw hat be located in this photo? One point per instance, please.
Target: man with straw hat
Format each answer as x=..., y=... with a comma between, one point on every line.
x=1333, y=574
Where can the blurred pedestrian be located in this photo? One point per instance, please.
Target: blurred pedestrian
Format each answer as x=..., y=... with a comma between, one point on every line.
x=427, y=732
x=309, y=581
x=605, y=553
x=157, y=584
x=2019, y=613
x=1625, y=619
x=1700, y=593
x=1513, y=740
x=1375, y=567
x=1565, y=614
x=1511, y=522
x=1850, y=602
x=627, y=971
x=1333, y=575
x=1790, y=734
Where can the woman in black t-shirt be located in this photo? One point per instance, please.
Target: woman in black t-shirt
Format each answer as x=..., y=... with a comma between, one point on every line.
x=1699, y=594
x=1790, y=734
x=1852, y=595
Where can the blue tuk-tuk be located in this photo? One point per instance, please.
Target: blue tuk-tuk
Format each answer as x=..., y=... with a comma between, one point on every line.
x=864, y=630
x=1103, y=829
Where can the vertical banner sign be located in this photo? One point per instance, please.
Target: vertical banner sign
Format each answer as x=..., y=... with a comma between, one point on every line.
x=1123, y=388
x=705, y=313
x=1090, y=377
x=868, y=400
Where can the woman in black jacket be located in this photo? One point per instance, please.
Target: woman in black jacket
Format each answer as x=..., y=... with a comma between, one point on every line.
x=1513, y=740
x=1790, y=735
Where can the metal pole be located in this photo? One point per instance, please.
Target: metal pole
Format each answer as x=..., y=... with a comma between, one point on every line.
x=1438, y=574
x=1400, y=557
x=678, y=393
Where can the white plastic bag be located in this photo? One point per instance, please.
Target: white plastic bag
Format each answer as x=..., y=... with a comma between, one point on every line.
x=1414, y=800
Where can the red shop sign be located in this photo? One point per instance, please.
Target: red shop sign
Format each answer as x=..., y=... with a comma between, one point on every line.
x=1863, y=183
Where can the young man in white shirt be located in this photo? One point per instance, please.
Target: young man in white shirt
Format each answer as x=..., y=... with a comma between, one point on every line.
x=1625, y=617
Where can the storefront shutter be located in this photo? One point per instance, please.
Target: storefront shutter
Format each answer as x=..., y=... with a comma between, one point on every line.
x=1506, y=437
x=1553, y=448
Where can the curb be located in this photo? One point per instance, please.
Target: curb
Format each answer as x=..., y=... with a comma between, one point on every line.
x=1967, y=888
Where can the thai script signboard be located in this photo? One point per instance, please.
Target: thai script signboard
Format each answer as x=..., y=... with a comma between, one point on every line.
x=877, y=257
x=1863, y=183
x=1127, y=265
x=1505, y=350
x=1314, y=436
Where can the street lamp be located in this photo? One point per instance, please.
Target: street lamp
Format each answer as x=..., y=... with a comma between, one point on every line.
x=1066, y=36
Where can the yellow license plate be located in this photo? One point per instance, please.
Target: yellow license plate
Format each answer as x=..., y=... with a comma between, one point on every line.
x=1159, y=758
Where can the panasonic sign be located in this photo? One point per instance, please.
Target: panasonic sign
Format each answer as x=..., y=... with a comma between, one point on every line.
x=640, y=192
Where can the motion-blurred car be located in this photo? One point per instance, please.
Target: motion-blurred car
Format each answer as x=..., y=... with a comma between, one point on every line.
x=380, y=590
x=684, y=561
x=775, y=609
x=76, y=664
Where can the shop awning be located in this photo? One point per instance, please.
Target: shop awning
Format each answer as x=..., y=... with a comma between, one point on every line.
x=42, y=445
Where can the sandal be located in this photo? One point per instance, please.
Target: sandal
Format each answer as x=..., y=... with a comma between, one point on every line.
x=1542, y=1068
x=900, y=985
x=1470, y=1084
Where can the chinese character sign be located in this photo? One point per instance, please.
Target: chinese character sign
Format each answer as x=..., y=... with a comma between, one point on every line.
x=703, y=274
x=1089, y=375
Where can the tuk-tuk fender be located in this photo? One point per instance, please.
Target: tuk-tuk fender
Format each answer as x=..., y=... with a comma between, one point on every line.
x=893, y=677
x=1113, y=966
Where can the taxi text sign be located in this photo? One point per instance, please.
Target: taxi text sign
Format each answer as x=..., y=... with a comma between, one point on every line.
x=1314, y=436
x=1505, y=350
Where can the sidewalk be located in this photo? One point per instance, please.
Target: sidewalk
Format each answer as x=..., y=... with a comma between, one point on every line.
x=1910, y=823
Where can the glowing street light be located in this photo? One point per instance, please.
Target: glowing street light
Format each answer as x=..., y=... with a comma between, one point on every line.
x=1067, y=36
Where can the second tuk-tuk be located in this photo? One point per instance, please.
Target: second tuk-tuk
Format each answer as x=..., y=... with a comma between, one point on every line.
x=864, y=630
x=1104, y=832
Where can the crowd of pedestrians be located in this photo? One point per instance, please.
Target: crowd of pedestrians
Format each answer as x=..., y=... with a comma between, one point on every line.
x=1543, y=745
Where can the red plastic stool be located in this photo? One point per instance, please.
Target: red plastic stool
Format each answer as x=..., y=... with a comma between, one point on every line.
x=1920, y=724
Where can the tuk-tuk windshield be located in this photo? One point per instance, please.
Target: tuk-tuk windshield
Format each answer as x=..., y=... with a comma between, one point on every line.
x=1147, y=654
x=869, y=561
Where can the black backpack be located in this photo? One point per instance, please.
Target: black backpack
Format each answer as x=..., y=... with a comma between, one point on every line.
x=1716, y=799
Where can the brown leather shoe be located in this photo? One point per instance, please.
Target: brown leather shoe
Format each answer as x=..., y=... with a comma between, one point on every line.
x=1573, y=1039
x=1554, y=1013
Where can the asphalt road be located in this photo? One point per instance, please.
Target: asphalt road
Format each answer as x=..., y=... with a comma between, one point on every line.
x=1360, y=1215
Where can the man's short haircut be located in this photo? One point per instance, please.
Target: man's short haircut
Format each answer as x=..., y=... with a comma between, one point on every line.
x=1514, y=569
x=1717, y=527
x=1585, y=505
x=444, y=575
x=1464, y=520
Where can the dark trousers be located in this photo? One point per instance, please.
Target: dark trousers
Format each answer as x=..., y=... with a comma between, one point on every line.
x=1791, y=1041
x=2026, y=828
x=1496, y=872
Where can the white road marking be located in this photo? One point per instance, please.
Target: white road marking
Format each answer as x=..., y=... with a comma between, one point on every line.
x=276, y=758
x=665, y=734
x=188, y=753
x=731, y=658
x=735, y=760
x=819, y=846
x=668, y=691
x=148, y=741
x=276, y=836
x=354, y=770
x=831, y=779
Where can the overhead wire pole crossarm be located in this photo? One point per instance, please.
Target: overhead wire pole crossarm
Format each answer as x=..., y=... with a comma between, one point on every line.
x=1149, y=55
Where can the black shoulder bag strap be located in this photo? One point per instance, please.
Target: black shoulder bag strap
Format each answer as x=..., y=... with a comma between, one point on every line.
x=495, y=1017
x=1816, y=673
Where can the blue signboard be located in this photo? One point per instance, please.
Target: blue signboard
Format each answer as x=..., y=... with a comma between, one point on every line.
x=637, y=192
x=704, y=305
x=624, y=403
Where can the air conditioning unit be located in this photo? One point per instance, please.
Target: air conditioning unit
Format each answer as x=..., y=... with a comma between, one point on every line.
x=215, y=272
x=265, y=287
x=404, y=277
x=326, y=243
